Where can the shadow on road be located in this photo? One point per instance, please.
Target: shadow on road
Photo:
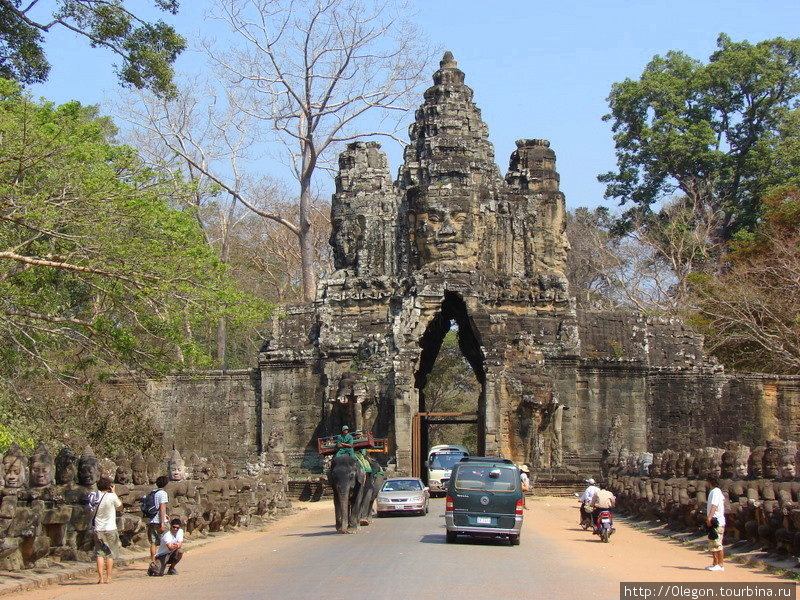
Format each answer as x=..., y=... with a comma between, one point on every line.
x=465, y=540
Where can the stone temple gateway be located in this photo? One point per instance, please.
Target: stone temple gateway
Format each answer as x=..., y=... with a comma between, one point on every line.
x=452, y=240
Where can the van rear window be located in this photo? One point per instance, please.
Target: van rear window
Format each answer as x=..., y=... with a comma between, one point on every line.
x=492, y=479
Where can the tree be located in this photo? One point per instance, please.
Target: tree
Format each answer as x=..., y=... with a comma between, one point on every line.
x=645, y=268
x=98, y=271
x=750, y=314
x=313, y=69
x=714, y=133
x=590, y=259
x=245, y=215
x=147, y=49
x=452, y=386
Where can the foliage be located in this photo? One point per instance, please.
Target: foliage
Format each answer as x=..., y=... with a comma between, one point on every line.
x=589, y=263
x=147, y=49
x=750, y=314
x=98, y=274
x=108, y=423
x=645, y=268
x=452, y=387
x=719, y=134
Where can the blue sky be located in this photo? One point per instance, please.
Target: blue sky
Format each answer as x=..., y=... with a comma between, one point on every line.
x=538, y=69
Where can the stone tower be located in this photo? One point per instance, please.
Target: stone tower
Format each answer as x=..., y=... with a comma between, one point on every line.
x=453, y=241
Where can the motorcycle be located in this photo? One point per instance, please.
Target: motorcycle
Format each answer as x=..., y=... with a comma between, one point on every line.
x=604, y=526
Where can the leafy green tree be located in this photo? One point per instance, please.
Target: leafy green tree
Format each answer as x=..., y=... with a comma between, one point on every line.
x=452, y=386
x=99, y=273
x=715, y=133
x=750, y=314
x=147, y=49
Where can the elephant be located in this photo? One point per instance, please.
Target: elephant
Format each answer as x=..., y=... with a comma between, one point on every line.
x=347, y=480
x=372, y=485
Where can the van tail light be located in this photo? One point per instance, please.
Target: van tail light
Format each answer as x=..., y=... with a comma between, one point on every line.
x=518, y=512
x=448, y=505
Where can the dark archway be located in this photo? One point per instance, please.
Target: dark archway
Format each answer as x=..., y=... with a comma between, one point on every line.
x=453, y=310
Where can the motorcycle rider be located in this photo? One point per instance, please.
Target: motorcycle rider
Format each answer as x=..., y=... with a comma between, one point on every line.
x=586, y=498
x=603, y=500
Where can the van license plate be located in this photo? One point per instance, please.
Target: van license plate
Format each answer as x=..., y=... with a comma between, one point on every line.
x=484, y=520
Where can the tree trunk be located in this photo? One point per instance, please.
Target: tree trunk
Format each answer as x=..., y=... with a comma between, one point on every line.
x=306, y=241
x=222, y=343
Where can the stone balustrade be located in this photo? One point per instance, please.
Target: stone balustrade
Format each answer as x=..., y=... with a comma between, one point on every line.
x=44, y=516
x=761, y=488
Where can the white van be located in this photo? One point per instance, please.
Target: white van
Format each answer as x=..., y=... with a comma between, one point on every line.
x=440, y=463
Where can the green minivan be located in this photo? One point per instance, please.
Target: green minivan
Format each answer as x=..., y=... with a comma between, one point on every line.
x=484, y=499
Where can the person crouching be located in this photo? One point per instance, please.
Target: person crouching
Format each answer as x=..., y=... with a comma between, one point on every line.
x=169, y=553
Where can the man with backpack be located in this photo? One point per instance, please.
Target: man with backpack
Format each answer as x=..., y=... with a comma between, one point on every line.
x=156, y=502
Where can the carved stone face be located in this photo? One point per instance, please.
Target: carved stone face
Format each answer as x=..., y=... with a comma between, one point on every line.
x=741, y=468
x=139, y=472
x=754, y=464
x=770, y=465
x=88, y=471
x=787, y=467
x=42, y=473
x=65, y=467
x=346, y=239
x=445, y=232
x=15, y=475
x=177, y=470
x=123, y=474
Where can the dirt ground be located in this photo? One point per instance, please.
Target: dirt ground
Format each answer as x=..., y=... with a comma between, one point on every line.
x=632, y=554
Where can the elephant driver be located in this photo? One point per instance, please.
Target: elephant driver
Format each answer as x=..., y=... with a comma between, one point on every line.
x=344, y=443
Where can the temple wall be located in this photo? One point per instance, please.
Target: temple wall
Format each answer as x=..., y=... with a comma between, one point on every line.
x=610, y=407
x=211, y=412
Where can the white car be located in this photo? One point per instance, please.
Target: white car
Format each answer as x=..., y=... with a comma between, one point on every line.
x=403, y=494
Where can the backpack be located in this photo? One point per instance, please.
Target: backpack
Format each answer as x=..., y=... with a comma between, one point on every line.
x=93, y=500
x=148, y=504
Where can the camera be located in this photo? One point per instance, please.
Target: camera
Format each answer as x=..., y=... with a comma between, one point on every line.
x=712, y=529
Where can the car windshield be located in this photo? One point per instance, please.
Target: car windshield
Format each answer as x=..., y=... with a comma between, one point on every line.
x=402, y=485
x=445, y=461
x=490, y=478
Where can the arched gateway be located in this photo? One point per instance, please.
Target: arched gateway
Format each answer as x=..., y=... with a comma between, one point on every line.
x=452, y=241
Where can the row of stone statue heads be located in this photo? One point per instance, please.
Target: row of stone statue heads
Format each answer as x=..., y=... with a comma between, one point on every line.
x=43, y=499
x=776, y=459
x=760, y=485
x=41, y=469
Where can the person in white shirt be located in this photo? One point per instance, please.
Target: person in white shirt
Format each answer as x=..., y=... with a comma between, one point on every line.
x=586, y=498
x=158, y=524
x=715, y=509
x=170, y=551
x=104, y=523
x=525, y=482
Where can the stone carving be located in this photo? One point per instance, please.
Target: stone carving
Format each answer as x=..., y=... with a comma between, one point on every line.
x=176, y=467
x=14, y=465
x=761, y=511
x=139, y=470
x=51, y=521
x=124, y=472
x=155, y=468
x=88, y=468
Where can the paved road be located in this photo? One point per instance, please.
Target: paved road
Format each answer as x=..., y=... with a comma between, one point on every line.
x=406, y=557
